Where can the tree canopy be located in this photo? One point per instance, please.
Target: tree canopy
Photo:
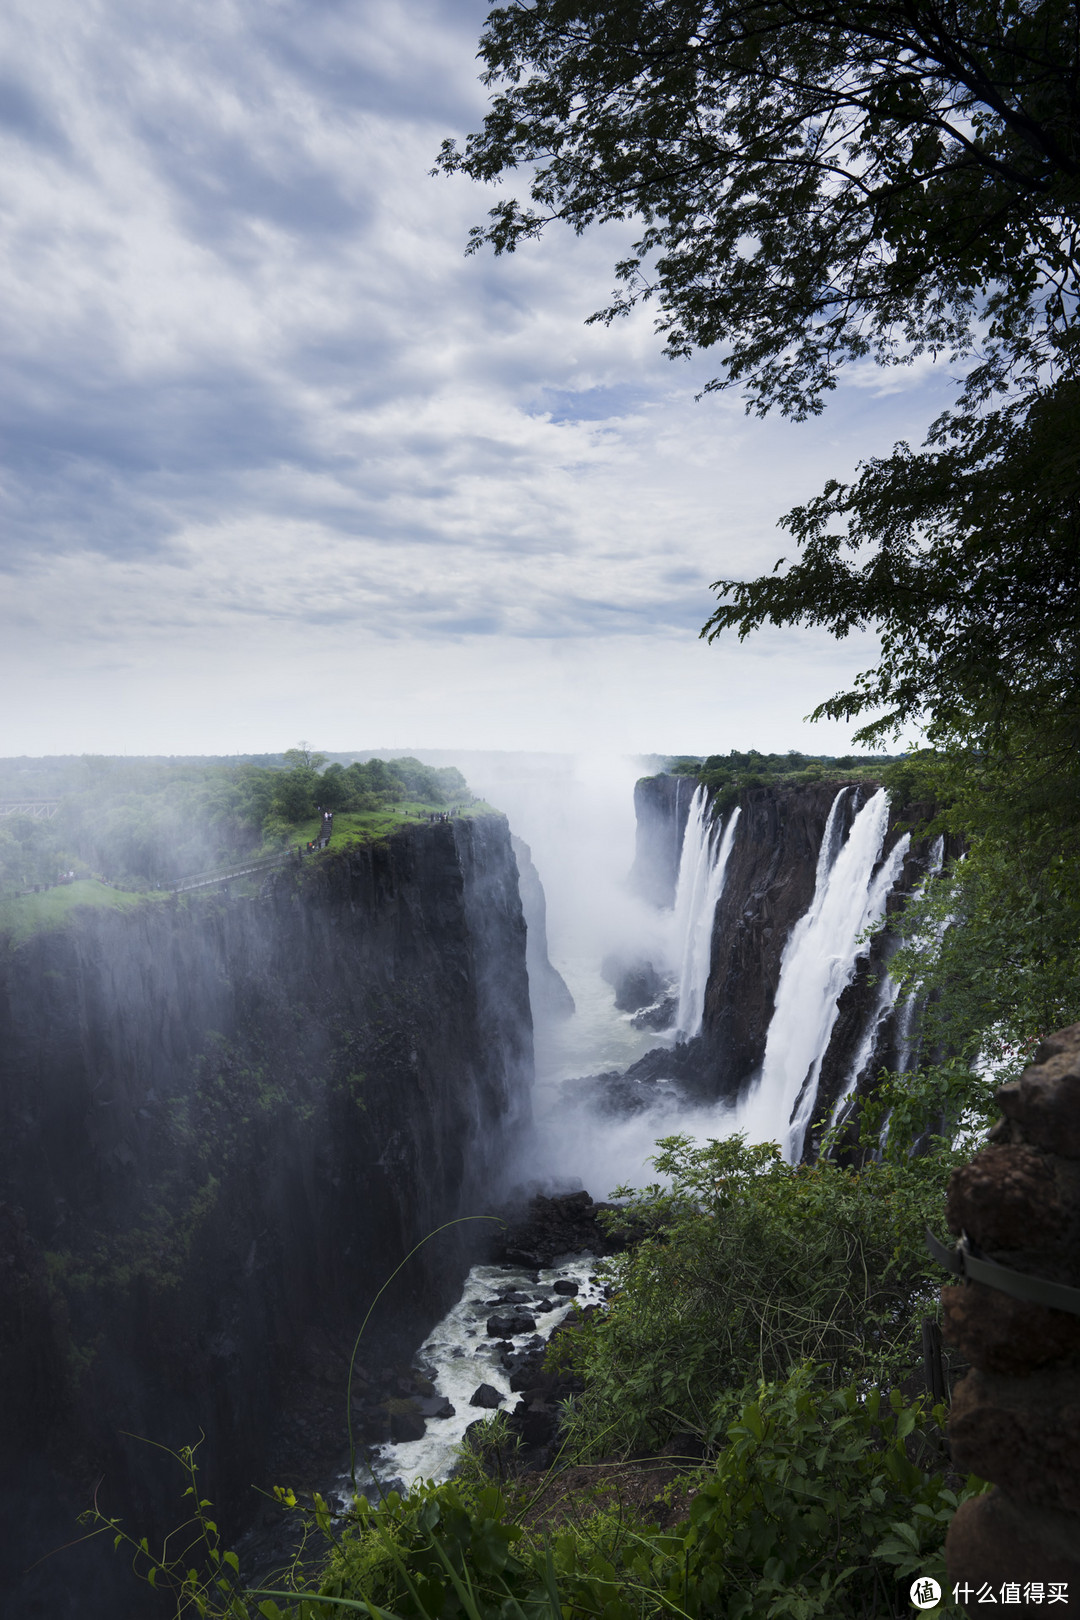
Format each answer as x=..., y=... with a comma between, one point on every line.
x=817, y=182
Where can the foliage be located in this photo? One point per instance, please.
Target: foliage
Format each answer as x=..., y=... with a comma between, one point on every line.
x=817, y=183
x=147, y=822
x=990, y=948
x=819, y=1503
x=751, y=1266
x=966, y=555
x=820, y=185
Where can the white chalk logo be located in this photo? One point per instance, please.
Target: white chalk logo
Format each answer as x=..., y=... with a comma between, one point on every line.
x=925, y=1593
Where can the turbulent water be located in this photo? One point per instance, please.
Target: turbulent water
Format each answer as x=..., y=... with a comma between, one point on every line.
x=460, y=1355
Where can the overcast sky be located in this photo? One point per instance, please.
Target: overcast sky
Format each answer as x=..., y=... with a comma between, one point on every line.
x=280, y=462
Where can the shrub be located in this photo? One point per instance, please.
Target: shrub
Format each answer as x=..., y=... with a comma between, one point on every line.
x=751, y=1266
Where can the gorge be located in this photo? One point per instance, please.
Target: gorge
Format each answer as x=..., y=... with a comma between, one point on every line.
x=225, y=1120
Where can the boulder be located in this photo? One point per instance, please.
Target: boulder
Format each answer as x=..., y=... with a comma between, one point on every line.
x=504, y=1327
x=487, y=1396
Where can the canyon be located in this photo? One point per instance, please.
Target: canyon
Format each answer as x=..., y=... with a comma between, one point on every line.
x=224, y=1120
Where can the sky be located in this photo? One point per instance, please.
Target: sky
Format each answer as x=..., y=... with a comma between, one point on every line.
x=279, y=461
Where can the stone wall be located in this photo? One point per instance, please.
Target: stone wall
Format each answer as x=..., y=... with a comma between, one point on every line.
x=1015, y=1417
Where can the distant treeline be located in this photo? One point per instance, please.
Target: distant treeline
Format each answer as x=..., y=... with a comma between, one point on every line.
x=726, y=774
x=148, y=822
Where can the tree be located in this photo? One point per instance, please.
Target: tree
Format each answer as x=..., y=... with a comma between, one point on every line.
x=818, y=184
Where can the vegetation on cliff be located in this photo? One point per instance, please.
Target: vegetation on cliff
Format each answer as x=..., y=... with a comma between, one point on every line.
x=144, y=823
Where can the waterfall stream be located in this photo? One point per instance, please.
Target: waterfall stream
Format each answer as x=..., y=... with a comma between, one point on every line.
x=706, y=850
x=850, y=892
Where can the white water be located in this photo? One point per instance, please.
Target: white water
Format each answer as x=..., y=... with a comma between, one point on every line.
x=703, y=863
x=817, y=964
x=459, y=1355
x=886, y=1002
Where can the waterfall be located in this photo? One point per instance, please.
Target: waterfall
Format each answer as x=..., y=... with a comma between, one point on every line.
x=702, y=866
x=818, y=962
x=886, y=1003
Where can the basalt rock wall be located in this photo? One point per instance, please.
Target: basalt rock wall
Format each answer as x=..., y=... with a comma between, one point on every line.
x=222, y=1124
x=661, y=806
x=769, y=885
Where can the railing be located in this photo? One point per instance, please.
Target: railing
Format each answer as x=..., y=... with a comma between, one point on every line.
x=40, y=809
x=206, y=880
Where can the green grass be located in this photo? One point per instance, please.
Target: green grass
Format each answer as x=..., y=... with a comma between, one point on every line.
x=25, y=914
x=369, y=826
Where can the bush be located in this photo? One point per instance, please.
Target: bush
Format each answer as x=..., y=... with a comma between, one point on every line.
x=751, y=1266
x=821, y=1505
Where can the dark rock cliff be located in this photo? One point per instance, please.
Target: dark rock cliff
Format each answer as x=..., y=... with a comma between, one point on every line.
x=661, y=805
x=222, y=1124
x=548, y=991
x=769, y=885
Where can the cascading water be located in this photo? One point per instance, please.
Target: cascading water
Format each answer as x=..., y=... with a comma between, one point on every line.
x=883, y=1011
x=706, y=851
x=818, y=962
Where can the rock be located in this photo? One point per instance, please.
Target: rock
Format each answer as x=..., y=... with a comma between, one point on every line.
x=512, y=1296
x=1005, y=1335
x=406, y=1423
x=435, y=1406
x=504, y=1327
x=1015, y=1417
x=992, y=1538
x=1045, y=1101
x=548, y=990
x=662, y=805
x=552, y=1228
x=1023, y=1433
x=486, y=1395
x=565, y=1285
x=661, y=1015
x=636, y=982
x=1006, y=1198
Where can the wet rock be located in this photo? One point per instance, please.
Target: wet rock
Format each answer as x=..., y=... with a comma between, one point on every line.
x=554, y=1227
x=565, y=1285
x=512, y=1296
x=406, y=1422
x=487, y=1396
x=661, y=1015
x=636, y=982
x=503, y=1327
x=435, y=1406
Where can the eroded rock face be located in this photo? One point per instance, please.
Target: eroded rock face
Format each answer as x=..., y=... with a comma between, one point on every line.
x=222, y=1125
x=662, y=806
x=1016, y=1416
x=548, y=990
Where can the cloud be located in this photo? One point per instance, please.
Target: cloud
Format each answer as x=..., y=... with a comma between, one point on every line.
x=256, y=390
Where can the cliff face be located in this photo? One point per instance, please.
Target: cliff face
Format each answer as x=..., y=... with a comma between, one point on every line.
x=769, y=885
x=661, y=805
x=549, y=993
x=222, y=1124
